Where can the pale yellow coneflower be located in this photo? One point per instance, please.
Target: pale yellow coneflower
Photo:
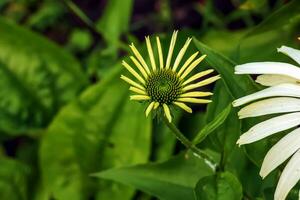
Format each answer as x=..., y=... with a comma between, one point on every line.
x=281, y=97
x=164, y=84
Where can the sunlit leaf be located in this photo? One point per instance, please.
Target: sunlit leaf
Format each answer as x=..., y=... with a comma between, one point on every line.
x=223, y=186
x=100, y=130
x=170, y=180
x=36, y=79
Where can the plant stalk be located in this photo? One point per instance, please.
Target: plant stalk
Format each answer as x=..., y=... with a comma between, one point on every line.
x=189, y=145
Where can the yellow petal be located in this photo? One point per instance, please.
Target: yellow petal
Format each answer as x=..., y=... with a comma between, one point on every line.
x=194, y=100
x=183, y=106
x=133, y=72
x=198, y=75
x=139, y=57
x=139, y=97
x=150, y=52
x=156, y=104
x=192, y=66
x=149, y=108
x=187, y=63
x=201, y=83
x=131, y=82
x=137, y=90
x=139, y=66
x=167, y=112
x=196, y=94
x=181, y=53
x=171, y=49
x=160, y=54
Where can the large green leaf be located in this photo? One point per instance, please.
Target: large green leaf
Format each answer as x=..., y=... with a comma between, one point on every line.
x=13, y=179
x=100, y=130
x=36, y=79
x=237, y=85
x=223, y=186
x=174, y=179
x=115, y=21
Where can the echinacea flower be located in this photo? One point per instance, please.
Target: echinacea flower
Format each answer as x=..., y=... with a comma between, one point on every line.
x=281, y=97
x=164, y=84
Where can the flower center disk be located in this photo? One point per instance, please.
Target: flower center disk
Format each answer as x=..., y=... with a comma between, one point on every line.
x=163, y=86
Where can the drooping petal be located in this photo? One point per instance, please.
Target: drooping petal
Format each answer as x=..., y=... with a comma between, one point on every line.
x=291, y=52
x=187, y=63
x=150, y=52
x=269, y=127
x=181, y=54
x=272, y=79
x=137, y=90
x=160, y=53
x=193, y=100
x=196, y=94
x=270, y=106
x=198, y=75
x=192, y=66
x=139, y=97
x=131, y=82
x=149, y=108
x=280, y=152
x=171, y=49
x=183, y=106
x=167, y=112
x=139, y=57
x=289, y=177
x=133, y=72
x=269, y=68
x=201, y=83
x=156, y=104
x=288, y=90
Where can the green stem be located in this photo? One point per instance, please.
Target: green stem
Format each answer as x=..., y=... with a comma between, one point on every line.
x=189, y=145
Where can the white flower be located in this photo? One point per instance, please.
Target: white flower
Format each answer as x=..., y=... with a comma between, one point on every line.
x=282, y=96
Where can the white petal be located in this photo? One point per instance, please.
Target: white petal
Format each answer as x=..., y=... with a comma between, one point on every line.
x=286, y=89
x=280, y=152
x=272, y=79
x=269, y=127
x=270, y=106
x=289, y=177
x=269, y=68
x=292, y=53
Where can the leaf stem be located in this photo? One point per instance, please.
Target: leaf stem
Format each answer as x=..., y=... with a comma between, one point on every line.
x=189, y=145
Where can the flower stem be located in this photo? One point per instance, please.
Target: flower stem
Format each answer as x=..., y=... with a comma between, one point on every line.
x=189, y=145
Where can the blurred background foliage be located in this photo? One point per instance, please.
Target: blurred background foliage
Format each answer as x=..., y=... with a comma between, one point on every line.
x=68, y=130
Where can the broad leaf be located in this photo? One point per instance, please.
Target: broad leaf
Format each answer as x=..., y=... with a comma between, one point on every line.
x=115, y=21
x=223, y=186
x=13, y=179
x=170, y=180
x=36, y=79
x=237, y=85
x=100, y=130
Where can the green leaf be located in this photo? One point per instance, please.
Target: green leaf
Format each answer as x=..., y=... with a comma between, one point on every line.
x=223, y=139
x=279, y=19
x=100, y=130
x=36, y=79
x=223, y=186
x=237, y=85
x=115, y=21
x=170, y=180
x=13, y=179
x=212, y=125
